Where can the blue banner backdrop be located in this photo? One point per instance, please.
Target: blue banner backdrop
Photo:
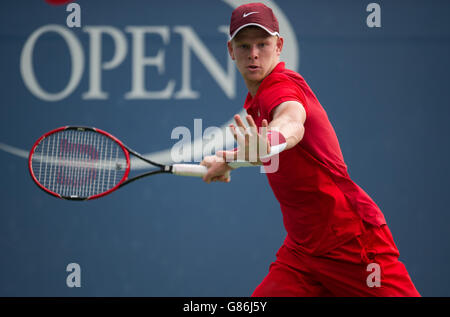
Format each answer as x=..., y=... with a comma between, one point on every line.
x=138, y=69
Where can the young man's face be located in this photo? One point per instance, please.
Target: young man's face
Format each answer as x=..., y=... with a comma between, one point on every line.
x=256, y=53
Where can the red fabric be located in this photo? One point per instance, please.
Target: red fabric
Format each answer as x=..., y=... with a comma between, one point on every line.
x=334, y=229
x=58, y=2
x=321, y=206
x=342, y=272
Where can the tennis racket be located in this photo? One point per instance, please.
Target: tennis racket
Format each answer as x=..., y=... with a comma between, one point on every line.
x=81, y=163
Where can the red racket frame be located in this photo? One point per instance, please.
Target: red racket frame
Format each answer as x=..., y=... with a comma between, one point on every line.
x=124, y=148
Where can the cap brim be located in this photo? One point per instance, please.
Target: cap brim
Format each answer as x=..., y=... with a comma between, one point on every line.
x=254, y=24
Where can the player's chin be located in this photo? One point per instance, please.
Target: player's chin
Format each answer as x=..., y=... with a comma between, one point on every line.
x=254, y=76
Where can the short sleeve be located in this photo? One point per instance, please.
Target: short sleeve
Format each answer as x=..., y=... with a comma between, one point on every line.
x=276, y=92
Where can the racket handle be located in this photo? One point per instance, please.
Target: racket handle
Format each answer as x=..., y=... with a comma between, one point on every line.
x=189, y=170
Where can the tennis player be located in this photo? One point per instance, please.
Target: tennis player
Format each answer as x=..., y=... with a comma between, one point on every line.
x=337, y=243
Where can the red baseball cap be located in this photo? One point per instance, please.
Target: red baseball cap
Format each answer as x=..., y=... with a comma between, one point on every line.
x=256, y=14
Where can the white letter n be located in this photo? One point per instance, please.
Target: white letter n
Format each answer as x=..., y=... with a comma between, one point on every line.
x=226, y=80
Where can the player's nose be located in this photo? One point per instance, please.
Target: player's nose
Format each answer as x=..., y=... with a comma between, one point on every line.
x=254, y=52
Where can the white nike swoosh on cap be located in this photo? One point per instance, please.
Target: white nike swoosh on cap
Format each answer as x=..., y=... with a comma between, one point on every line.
x=247, y=14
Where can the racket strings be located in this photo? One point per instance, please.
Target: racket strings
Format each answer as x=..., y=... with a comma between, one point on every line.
x=78, y=163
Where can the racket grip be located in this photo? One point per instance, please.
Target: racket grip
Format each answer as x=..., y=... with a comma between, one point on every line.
x=189, y=170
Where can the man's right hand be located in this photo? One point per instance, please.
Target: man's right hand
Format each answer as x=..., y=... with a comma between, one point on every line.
x=218, y=169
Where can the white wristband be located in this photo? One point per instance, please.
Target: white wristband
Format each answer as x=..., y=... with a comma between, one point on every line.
x=274, y=150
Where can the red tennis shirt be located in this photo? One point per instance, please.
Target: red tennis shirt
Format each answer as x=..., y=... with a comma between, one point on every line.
x=321, y=206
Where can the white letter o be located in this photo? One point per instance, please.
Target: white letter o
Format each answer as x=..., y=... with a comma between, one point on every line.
x=26, y=63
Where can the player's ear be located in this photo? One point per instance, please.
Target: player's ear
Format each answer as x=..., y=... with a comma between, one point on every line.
x=280, y=42
x=230, y=50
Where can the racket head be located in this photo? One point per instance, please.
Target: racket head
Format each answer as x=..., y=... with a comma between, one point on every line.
x=78, y=163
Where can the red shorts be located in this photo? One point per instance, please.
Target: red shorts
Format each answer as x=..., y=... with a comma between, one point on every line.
x=367, y=265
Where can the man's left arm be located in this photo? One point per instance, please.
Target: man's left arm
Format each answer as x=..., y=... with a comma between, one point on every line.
x=289, y=118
